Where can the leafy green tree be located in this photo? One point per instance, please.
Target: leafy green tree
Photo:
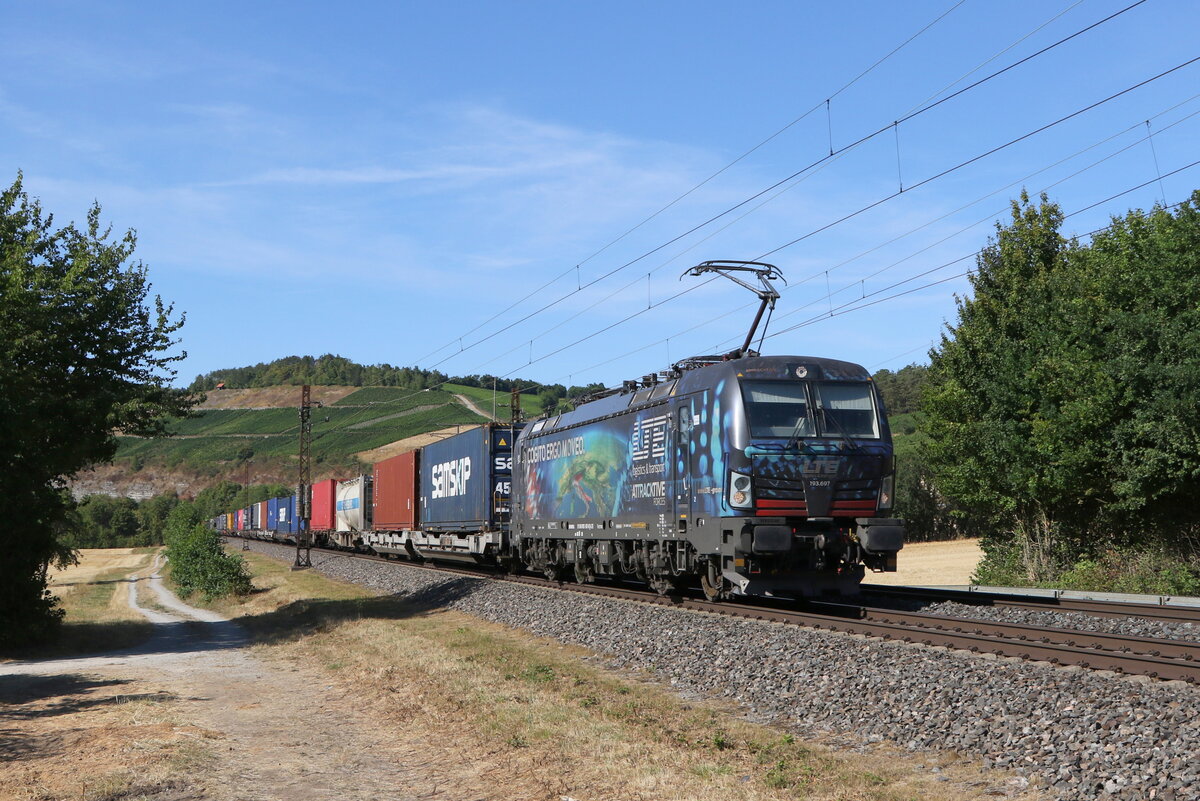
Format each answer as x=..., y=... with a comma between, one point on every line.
x=83, y=356
x=198, y=562
x=152, y=516
x=1063, y=406
x=106, y=522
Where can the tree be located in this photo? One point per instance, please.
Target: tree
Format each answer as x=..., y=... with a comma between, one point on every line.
x=152, y=517
x=1062, y=407
x=106, y=522
x=82, y=358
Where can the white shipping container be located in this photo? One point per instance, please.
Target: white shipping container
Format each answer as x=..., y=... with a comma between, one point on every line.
x=354, y=504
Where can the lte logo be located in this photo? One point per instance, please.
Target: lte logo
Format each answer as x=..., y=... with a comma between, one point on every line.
x=650, y=438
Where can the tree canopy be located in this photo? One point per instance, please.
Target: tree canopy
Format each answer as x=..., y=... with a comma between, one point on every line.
x=84, y=355
x=1063, y=405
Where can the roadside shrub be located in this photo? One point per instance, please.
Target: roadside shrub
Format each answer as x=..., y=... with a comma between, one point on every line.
x=1147, y=571
x=198, y=562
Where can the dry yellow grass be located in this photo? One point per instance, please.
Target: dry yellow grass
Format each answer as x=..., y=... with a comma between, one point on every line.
x=283, y=397
x=83, y=738
x=950, y=562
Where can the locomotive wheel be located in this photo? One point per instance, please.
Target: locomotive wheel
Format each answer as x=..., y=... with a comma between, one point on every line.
x=582, y=574
x=664, y=585
x=551, y=572
x=715, y=587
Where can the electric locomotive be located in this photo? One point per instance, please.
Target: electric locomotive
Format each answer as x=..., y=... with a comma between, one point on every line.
x=750, y=475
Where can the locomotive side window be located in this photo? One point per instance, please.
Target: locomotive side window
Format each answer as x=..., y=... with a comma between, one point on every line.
x=847, y=409
x=777, y=409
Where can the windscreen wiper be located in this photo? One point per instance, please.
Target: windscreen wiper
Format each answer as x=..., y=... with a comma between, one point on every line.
x=825, y=415
x=795, y=439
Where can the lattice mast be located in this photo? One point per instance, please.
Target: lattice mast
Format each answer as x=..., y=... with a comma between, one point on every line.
x=304, y=483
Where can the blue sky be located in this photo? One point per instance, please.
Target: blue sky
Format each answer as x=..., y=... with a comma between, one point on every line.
x=379, y=179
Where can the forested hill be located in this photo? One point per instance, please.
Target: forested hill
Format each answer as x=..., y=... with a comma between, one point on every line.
x=330, y=370
x=327, y=370
x=901, y=389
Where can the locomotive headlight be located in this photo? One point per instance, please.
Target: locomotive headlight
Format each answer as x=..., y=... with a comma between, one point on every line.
x=885, y=492
x=740, y=491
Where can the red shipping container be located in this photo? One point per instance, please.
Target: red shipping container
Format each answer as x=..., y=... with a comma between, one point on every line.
x=395, y=488
x=263, y=516
x=240, y=523
x=324, y=504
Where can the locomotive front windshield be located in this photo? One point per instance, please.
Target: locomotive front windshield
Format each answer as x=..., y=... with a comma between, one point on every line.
x=810, y=409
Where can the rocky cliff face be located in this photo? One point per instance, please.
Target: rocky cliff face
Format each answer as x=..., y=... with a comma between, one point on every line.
x=118, y=481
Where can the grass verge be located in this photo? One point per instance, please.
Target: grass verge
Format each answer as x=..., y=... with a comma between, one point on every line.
x=95, y=596
x=540, y=720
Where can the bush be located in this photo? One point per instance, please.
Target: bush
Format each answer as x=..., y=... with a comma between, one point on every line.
x=1143, y=572
x=198, y=562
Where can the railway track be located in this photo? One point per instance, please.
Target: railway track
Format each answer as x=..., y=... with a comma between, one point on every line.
x=1154, y=657
x=1118, y=609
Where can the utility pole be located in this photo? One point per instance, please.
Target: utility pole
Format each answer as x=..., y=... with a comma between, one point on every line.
x=515, y=403
x=303, y=487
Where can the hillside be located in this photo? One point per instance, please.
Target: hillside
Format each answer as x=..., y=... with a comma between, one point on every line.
x=251, y=436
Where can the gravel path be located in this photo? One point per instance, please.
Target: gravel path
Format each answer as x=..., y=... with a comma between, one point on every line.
x=275, y=730
x=1079, y=734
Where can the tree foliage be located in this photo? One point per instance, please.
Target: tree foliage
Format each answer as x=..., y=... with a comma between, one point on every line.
x=1063, y=405
x=901, y=389
x=198, y=562
x=324, y=370
x=83, y=356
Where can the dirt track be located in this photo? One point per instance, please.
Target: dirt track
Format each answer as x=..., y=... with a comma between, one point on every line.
x=195, y=685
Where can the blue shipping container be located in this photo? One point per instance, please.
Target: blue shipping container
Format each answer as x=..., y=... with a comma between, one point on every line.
x=282, y=512
x=466, y=480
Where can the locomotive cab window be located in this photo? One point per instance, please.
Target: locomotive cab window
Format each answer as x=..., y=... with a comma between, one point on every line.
x=846, y=409
x=777, y=409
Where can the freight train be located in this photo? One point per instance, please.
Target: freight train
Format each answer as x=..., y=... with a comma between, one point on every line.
x=740, y=474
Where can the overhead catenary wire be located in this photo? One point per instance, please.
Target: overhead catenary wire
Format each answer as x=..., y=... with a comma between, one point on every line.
x=531, y=360
x=853, y=305
x=777, y=184
x=858, y=281
x=981, y=156
x=835, y=311
x=467, y=346
x=746, y=154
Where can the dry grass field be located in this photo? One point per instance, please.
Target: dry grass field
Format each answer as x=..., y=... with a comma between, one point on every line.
x=950, y=562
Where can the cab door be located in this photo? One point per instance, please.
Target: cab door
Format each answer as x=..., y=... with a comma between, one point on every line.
x=683, y=423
